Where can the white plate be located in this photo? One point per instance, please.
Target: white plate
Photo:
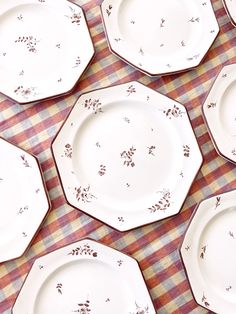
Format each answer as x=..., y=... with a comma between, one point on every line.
x=219, y=112
x=84, y=277
x=160, y=37
x=127, y=155
x=45, y=48
x=230, y=7
x=209, y=253
x=23, y=199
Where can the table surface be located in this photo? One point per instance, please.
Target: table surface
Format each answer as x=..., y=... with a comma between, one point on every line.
x=155, y=246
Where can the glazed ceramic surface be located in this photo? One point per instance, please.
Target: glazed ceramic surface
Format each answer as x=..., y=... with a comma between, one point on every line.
x=127, y=155
x=45, y=48
x=209, y=253
x=84, y=277
x=219, y=112
x=24, y=202
x=160, y=37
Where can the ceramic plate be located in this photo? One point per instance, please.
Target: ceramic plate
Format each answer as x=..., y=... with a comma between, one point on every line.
x=209, y=253
x=23, y=198
x=127, y=155
x=219, y=112
x=230, y=7
x=84, y=277
x=160, y=37
x=45, y=48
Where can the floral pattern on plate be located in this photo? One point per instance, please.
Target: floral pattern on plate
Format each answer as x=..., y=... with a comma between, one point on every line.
x=21, y=177
x=161, y=37
x=219, y=112
x=94, y=266
x=46, y=65
x=129, y=146
x=208, y=252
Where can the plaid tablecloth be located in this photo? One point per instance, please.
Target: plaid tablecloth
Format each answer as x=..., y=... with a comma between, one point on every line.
x=155, y=246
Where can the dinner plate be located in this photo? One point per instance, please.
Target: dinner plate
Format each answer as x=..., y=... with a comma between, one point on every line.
x=84, y=277
x=219, y=112
x=160, y=37
x=23, y=198
x=230, y=7
x=45, y=47
x=209, y=253
x=127, y=155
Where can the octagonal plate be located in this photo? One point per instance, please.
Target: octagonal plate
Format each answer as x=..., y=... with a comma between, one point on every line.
x=160, y=37
x=230, y=7
x=84, y=277
x=127, y=155
x=24, y=200
x=209, y=253
x=45, y=48
x=219, y=112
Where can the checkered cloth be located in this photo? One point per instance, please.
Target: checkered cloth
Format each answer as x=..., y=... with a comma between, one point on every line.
x=155, y=246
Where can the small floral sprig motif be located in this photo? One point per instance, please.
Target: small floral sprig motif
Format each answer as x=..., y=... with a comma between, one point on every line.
x=228, y=288
x=83, y=194
x=141, y=51
x=74, y=17
x=25, y=92
x=59, y=288
x=20, y=17
x=163, y=203
x=102, y=170
x=22, y=210
x=218, y=198
x=93, y=104
x=83, y=250
x=173, y=112
x=25, y=161
x=128, y=157
x=108, y=10
x=186, y=150
x=233, y=151
x=194, y=19
x=30, y=42
x=193, y=57
x=203, y=252
x=231, y=234
x=182, y=43
x=187, y=248
x=151, y=150
x=68, y=151
x=162, y=23
x=119, y=262
x=126, y=119
x=77, y=62
x=83, y=308
x=204, y=300
x=211, y=105
x=140, y=310
x=121, y=219
x=41, y=1
x=130, y=90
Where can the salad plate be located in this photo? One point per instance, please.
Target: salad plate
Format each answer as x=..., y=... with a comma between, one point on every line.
x=230, y=7
x=45, y=48
x=23, y=197
x=160, y=37
x=219, y=112
x=84, y=277
x=209, y=253
x=127, y=155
